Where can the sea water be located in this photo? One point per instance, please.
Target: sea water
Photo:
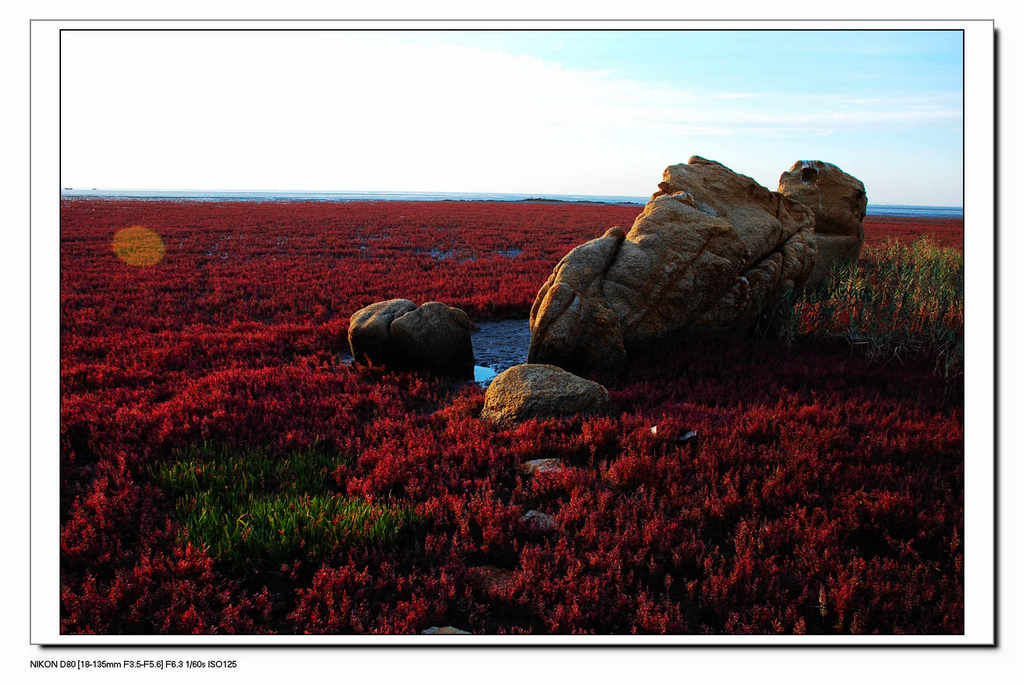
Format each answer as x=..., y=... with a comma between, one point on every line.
x=388, y=196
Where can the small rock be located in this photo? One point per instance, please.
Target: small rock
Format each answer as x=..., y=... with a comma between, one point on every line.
x=537, y=522
x=532, y=390
x=444, y=630
x=685, y=437
x=542, y=465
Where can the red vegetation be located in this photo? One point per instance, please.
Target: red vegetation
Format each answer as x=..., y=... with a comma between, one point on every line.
x=944, y=232
x=821, y=495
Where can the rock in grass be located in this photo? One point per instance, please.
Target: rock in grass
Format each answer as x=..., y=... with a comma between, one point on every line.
x=538, y=523
x=444, y=630
x=542, y=465
x=396, y=333
x=532, y=390
x=710, y=253
x=839, y=203
x=686, y=435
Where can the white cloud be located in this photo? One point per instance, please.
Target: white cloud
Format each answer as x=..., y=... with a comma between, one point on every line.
x=370, y=111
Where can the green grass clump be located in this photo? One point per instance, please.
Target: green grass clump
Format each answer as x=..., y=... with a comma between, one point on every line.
x=900, y=303
x=252, y=506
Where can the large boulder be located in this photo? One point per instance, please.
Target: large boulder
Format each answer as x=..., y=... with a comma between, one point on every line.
x=709, y=253
x=839, y=203
x=540, y=391
x=433, y=337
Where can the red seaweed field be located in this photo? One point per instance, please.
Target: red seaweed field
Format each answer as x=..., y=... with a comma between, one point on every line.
x=226, y=470
x=945, y=232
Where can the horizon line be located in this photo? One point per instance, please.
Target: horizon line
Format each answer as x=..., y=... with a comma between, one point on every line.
x=539, y=195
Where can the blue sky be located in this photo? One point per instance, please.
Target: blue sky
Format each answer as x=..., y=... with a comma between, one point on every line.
x=586, y=112
x=842, y=62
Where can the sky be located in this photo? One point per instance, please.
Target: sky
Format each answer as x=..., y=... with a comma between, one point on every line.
x=557, y=112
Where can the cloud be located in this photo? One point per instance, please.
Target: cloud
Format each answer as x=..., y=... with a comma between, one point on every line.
x=363, y=111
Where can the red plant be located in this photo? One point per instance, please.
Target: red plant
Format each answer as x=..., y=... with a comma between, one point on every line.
x=945, y=232
x=820, y=494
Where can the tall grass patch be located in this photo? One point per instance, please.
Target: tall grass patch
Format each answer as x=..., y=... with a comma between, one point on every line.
x=246, y=506
x=901, y=302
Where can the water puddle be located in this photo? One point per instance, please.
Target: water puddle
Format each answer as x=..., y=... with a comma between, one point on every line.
x=442, y=254
x=483, y=375
x=499, y=345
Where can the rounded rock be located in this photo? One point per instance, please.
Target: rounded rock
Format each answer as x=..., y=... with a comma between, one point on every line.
x=533, y=390
x=434, y=337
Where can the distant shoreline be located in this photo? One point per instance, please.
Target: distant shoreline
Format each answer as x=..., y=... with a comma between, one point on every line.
x=68, y=194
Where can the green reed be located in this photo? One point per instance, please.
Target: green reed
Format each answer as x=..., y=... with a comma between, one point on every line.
x=901, y=302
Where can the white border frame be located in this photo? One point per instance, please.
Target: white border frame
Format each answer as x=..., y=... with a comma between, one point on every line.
x=979, y=242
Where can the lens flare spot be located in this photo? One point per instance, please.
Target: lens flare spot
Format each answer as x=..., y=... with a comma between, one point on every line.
x=138, y=246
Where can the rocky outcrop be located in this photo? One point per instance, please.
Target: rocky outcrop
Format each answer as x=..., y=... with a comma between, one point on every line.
x=396, y=333
x=708, y=254
x=540, y=391
x=839, y=203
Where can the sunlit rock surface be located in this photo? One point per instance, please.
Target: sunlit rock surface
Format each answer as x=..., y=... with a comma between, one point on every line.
x=709, y=253
x=839, y=203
